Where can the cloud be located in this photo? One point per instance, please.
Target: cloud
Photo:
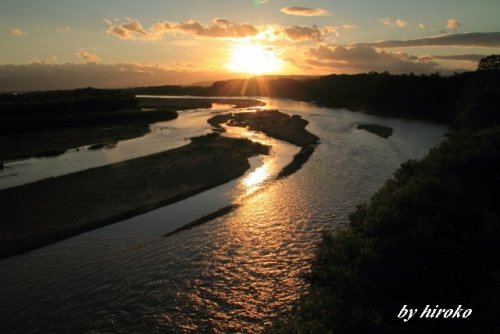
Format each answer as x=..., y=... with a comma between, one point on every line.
x=365, y=58
x=219, y=28
x=18, y=32
x=301, y=33
x=51, y=60
x=43, y=76
x=349, y=26
x=475, y=58
x=88, y=56
x=400, y=23
x=64, y=29
x=481, y=39
x=126, y=30
x=304, y=11
x=453, y=24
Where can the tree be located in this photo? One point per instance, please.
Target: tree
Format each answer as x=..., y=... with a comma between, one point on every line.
x=490, y=63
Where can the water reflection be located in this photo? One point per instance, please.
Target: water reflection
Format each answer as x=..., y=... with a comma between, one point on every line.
x=233, y=274
x=281, y=153
x=255, y=179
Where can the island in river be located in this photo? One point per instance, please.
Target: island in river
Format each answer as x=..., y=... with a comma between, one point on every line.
x=53, y=209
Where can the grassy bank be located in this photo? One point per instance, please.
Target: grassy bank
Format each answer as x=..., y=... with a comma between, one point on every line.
x=43, y=212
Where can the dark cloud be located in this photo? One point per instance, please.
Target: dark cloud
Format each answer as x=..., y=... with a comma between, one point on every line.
x=364, y=58
x=44, y=76
x=301, y=33
x=482, y=39
x=304, y=11
x=466, y=57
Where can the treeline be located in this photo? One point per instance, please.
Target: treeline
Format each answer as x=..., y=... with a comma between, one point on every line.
x=168, y=90
x=429, y=97
x=430, y=236
x=49, y=110
x=64, y=101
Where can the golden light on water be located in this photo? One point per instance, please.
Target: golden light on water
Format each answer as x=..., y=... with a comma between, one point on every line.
x=254, y=58
x=253, y=180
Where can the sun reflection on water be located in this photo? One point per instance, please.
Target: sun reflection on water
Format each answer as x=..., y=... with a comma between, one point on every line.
x=255, y=179
x=280, y=155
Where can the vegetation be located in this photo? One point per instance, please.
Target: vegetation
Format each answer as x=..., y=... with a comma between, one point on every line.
x=428, y=97
x=379, y=130
x=42, y=111
x=489, y=63
x=430, y=236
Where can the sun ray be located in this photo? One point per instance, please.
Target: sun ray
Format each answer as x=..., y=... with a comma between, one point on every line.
x=254, y=58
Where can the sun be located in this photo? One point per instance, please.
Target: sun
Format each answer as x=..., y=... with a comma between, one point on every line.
x=254, y=59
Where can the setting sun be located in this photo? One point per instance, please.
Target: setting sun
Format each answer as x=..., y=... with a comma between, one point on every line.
x=254, y=59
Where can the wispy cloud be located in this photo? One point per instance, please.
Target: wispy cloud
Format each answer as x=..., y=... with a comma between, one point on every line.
x=304, y=11
x=475, y=58
x=64, y=29
x=453, y=24
x=37, y=61
x=88, y=56
x=18, y=32
x=387, y=21
x=401, y=23
x=365, y=58
x=349, y=26
x=480, y=39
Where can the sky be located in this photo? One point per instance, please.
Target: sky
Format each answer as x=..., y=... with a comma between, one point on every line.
x=117, y=43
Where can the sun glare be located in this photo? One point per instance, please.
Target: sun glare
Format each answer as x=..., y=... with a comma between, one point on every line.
x=254, y=59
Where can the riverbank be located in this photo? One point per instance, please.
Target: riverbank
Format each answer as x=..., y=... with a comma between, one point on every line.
x=50, y=123
x=276, y=124
x=54, y=209
x=51, y=143
x=273, y=123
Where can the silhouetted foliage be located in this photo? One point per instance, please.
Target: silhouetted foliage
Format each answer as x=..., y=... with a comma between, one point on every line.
x=430, y=97
x=37, y=111
x=167, y=90
x=490, y=63
x=430, y=236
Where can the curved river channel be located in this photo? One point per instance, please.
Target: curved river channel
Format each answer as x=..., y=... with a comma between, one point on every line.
x=235, y=273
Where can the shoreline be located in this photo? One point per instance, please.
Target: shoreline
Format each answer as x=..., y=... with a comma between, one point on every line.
x=112, y=193
x=255, y=120
x=93, y=198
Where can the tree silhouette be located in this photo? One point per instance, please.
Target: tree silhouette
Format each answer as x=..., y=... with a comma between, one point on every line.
x=489, y=63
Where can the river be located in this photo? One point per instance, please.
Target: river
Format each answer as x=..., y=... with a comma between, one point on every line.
x=235, y=273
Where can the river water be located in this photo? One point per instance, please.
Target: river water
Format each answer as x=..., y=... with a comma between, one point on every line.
x=233, y=274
